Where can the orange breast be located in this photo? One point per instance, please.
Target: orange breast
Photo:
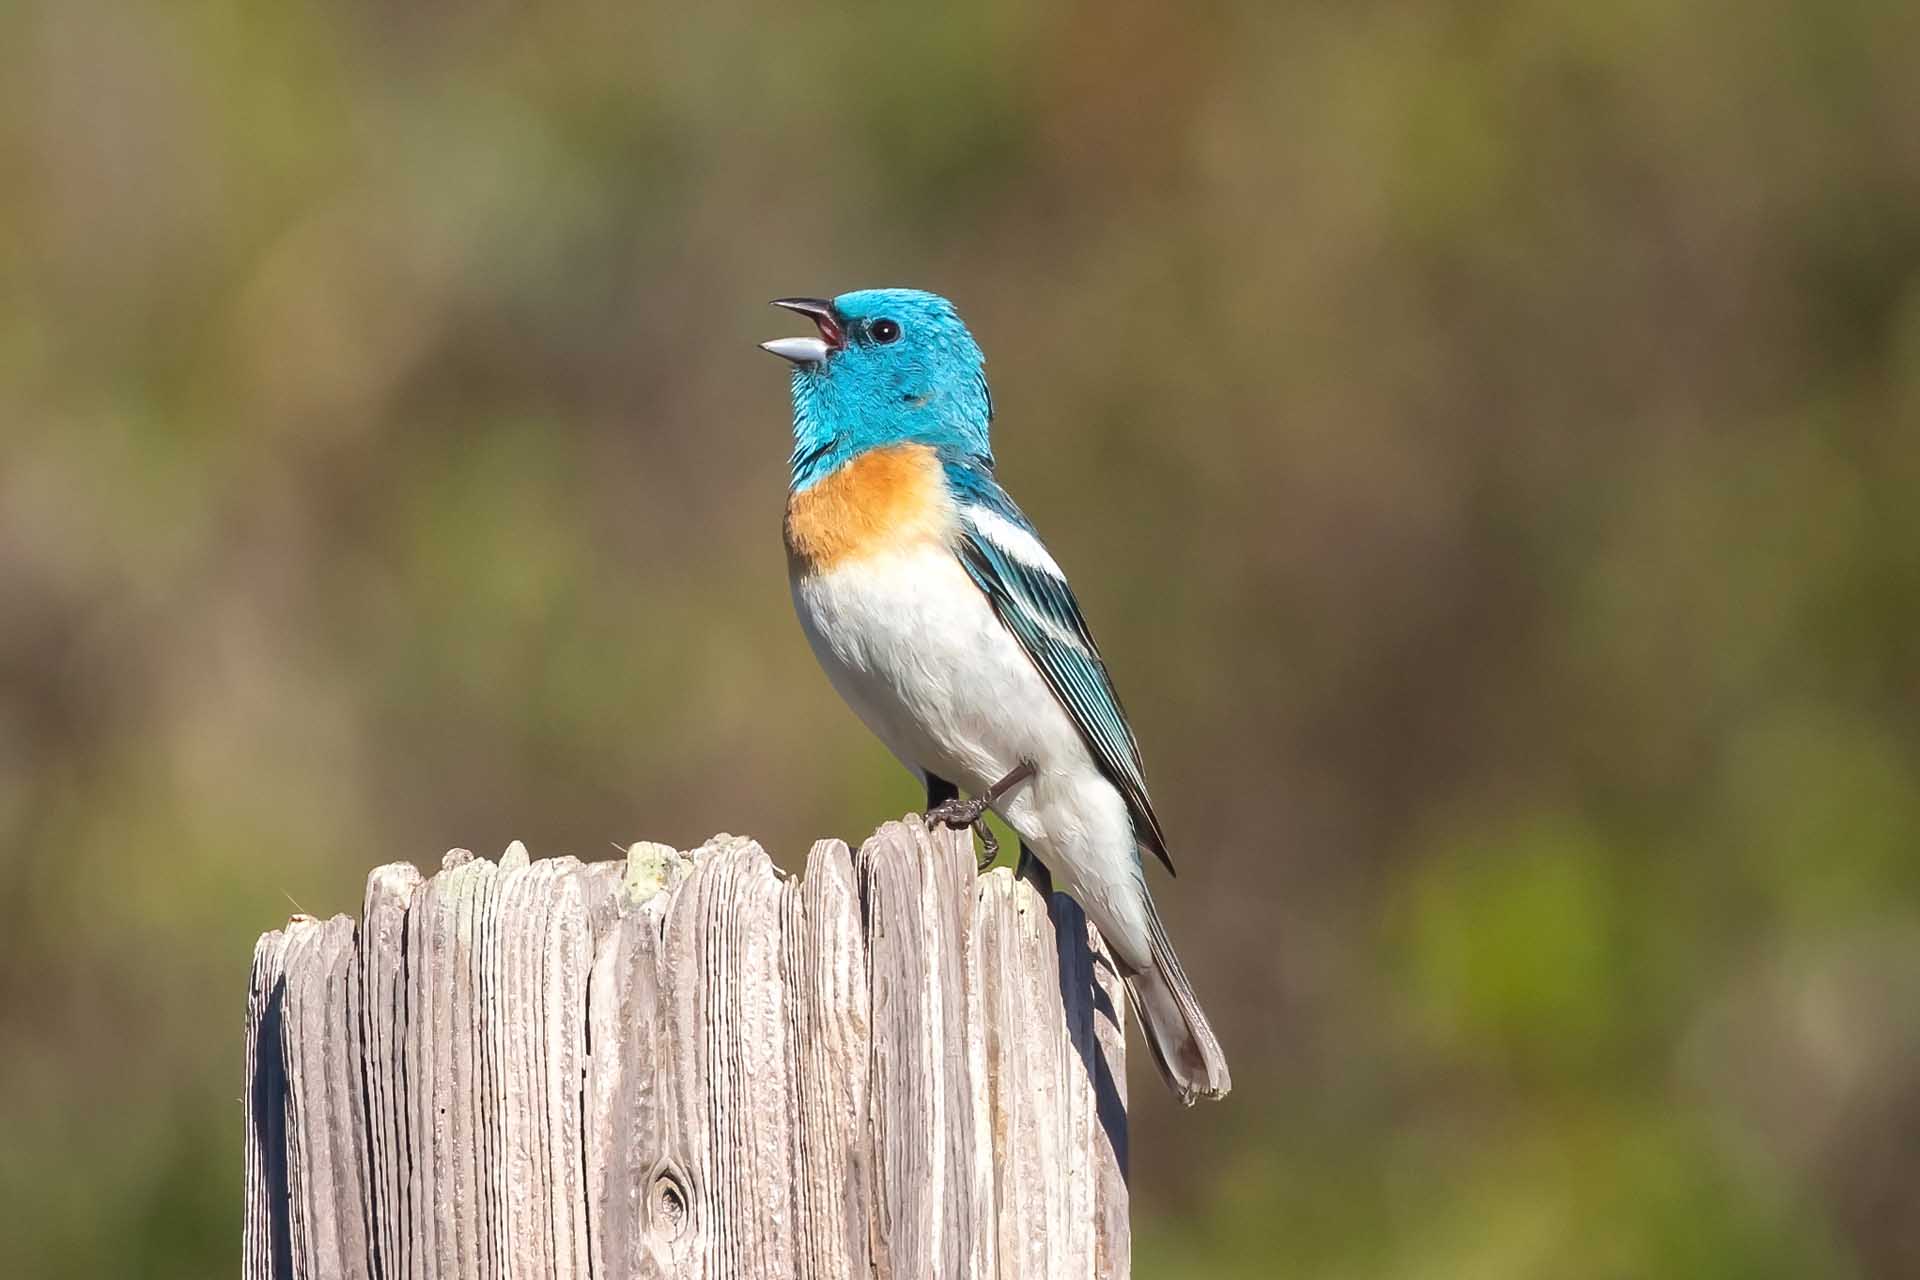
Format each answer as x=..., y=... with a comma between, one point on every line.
x=880, y=501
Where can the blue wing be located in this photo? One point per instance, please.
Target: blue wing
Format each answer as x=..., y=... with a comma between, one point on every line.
x=1003, y=555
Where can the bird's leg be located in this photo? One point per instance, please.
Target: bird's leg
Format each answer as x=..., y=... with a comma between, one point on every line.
x=958, y=813
x=1032, y=869
x=1020, y=773
x=939, y=792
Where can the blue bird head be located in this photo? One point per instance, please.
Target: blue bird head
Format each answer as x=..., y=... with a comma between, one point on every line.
x=891, y=366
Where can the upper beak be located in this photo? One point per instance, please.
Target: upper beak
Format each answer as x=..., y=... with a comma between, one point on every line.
x=809, y=350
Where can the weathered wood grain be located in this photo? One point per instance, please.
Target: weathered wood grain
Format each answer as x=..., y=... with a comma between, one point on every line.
x=689, y=1064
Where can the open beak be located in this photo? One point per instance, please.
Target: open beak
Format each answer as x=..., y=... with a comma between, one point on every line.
x=809, y=350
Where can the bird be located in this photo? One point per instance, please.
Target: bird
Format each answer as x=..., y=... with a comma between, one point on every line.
x=943, y=621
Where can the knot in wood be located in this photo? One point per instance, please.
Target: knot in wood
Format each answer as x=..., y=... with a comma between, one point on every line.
x=668, y=1205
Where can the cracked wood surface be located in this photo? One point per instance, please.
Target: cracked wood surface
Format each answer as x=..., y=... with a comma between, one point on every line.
x=689, y=1064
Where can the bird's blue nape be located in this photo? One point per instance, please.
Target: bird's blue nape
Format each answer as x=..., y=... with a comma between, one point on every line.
x=902, y=369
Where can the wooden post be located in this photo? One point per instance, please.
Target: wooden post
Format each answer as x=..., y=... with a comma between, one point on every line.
x=688, y=1064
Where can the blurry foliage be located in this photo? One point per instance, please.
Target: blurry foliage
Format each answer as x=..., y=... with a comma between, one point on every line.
x=1487, y=441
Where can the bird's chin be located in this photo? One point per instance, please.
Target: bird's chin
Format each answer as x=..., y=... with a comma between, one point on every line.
x=802, y=352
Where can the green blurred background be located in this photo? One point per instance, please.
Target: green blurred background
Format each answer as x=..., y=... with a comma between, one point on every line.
x=1485, y=437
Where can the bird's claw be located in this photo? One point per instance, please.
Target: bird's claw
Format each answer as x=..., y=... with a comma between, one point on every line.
x=957, y=813
x=967, y=815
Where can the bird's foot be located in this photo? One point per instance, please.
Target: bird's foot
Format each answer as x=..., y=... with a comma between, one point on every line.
x=989, y=848
x=967, y=815
x=958, y=813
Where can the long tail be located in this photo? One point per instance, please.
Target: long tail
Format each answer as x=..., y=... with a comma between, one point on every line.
x=1184, y=1048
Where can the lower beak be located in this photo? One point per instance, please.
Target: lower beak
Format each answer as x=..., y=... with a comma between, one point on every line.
x=798, y=350
x=809, y=350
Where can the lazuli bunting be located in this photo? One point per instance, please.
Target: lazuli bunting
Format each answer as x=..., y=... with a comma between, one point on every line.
x=943, y=621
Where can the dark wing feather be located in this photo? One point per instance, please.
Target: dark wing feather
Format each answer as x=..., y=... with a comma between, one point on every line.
x=1041, y=612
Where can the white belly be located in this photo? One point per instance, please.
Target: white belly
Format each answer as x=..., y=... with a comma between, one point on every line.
x=914, y=647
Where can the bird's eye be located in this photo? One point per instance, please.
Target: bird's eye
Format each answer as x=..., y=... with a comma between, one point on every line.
x=884, y=331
